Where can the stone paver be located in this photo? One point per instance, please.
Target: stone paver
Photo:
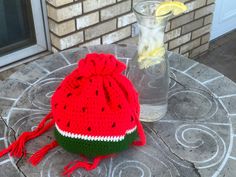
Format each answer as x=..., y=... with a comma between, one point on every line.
x=12, y=88
x=5, y=105
x=51, y=62
x=229, y=170
x=233, y=153
x=233, y=122
x=230, y=103
x=203, y=73
x=103, y=49
x=10, y=170
x=222, y=87
x=179, y=62
x=73, y=55
x=29, y=74
x=195, y=138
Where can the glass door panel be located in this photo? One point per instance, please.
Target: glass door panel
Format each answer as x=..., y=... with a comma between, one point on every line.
x=17, y=30
x=20, y=21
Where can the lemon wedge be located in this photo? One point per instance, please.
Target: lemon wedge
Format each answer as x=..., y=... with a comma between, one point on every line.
x=157, y=52
x=150, y=58
x=166, y=7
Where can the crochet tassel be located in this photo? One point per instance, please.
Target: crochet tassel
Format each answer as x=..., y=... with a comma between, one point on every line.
x=17, y=148
x=38, y=156
x=69, y=169
x=142, y=137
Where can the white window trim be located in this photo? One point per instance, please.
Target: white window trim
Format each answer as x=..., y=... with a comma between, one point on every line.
x=41, y=33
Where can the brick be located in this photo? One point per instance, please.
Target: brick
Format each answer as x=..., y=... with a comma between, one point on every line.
x=58, y=3
x=87, y=20
x=204, y=11
x=92, y=42
x=172, y=34
x=54, y=50
x=64, y=13
x=100, y=29
x=126, y=20
x=176, y=50
x=208, y=19
x=199, y=50
x=129, y=41
x=118, y=9
x=205, y=38
x=190, y=45
x=167, y=27
x=184, y=19
x=61, y=29
x=117, y=35
x=192, y=26
x=179, y=41
x=186, y=54
x=192, y=5
x=68, y=41
x=166, y=45
x=180, y=0
x=201, y=31
x=210, y=1
x=90, y=5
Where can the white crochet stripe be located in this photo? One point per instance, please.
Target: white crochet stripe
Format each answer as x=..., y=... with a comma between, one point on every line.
x=95, y=138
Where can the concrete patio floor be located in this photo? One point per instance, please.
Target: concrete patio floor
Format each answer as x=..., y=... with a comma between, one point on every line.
x=222, y=55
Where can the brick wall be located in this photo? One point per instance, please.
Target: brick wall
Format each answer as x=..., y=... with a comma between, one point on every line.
x=74, y=23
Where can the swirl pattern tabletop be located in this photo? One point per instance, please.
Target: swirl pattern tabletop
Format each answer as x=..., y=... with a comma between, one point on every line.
x=196, y=138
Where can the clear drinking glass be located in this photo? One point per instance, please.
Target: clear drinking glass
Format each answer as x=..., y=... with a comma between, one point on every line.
x=149, y=72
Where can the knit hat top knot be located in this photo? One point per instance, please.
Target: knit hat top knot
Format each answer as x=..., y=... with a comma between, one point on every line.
x=100, y=64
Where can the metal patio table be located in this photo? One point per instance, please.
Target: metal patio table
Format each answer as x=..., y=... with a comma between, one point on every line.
x=195, y=138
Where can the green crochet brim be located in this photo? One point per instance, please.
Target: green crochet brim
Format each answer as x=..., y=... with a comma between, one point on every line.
x=94, y=148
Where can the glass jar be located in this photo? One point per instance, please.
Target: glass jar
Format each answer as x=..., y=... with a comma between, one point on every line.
x=149, y=72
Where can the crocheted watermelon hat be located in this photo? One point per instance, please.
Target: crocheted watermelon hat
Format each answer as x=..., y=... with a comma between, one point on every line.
x=95, y=111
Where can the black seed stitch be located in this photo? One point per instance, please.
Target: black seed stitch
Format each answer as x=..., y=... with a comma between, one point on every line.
x=97, y=92
x=132, y=118
x=89, y=129
x=65, y=107
x=119, y=106
x=93, y=62
x=55, y=105
x=68, y=124
x=69, y=94
x=103, y=109
x=79, y=78
x=84, y=109
x=77, y=86
x=113, y=125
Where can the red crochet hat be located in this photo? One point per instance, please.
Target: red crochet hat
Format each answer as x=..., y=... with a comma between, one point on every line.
x=95, y=111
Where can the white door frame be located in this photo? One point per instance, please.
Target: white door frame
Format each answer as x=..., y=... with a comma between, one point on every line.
x=223, y=21
x=41, y=33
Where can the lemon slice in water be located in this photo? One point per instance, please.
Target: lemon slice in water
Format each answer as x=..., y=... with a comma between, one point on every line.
x=175, y=7
x=157, y=52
